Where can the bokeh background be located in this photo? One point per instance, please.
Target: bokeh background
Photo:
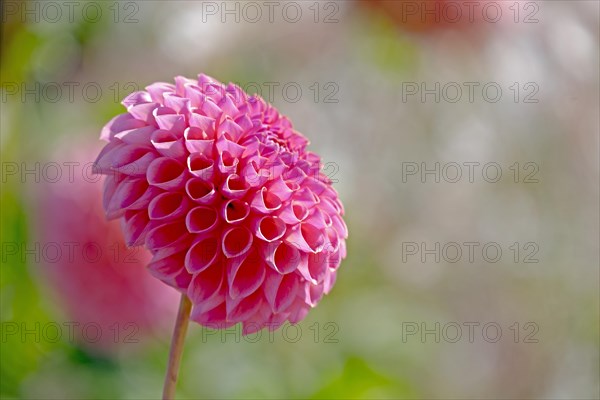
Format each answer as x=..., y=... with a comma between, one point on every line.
x=389, y=327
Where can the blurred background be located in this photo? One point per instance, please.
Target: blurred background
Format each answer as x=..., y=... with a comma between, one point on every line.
x=463, y=140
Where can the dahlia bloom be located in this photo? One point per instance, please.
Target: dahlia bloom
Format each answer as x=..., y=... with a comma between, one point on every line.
x=221, y=189
x=100, y=284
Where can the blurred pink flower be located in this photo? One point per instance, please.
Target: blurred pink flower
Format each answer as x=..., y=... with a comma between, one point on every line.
x=436, y=16
x=220, y=188
x=102, y=285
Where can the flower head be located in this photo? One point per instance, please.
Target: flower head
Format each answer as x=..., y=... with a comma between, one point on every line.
x=220, y=188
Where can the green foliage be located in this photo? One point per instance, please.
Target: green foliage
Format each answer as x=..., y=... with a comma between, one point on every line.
x=359, y=380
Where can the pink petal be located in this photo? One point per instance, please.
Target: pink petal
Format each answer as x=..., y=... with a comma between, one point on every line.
x=201, y=166
x=111, y=183
x=124, y=158
x=295, y=175
x=205, y=288
x=168, y=144
x=280, y=189
x=245, y=277
x=234, y=187
x=136, y=98
x=214, y=318
x=268, y=228
x=315, y=185
x=157, y=90
x=131, y=194
x=306, y=197
x=135, y=225
x=299, y=311
x=313, y=294
x=166, y=235
x=329, y=280
x=202, y=255
x=143, y=112
x=315, y=269
x=257, y=321
x=227, y=163
x=201, y=219
x=280, y=290
x=166, y=173
x=228, y=106
x=206, y=124
x=210, y=109
x=180, y=84
x=305, y=237
x=236, y=241
x=169, y=270
x=235, y=211
x=253, y=175
x=168, y=205
x=293, y=213
x=136, y=136
x=178, y=104
x=265, y=202
x=243, y=307
x=201, y=191
x=121, y=122
x=230, y=129
x=282, y=257
x=196, y=141
x=170, y=122
x=319, y=219
x=340, y=226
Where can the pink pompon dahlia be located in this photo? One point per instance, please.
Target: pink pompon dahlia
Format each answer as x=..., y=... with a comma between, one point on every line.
x=220, y=188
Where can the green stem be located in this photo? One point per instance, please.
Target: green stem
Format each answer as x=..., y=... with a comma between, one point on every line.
x=177, y=341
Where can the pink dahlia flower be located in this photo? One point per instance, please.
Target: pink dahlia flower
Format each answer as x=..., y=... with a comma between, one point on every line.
x=220, y=188
x=102, y=286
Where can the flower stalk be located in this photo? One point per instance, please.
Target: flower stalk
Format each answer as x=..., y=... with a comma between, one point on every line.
x=176, y=351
